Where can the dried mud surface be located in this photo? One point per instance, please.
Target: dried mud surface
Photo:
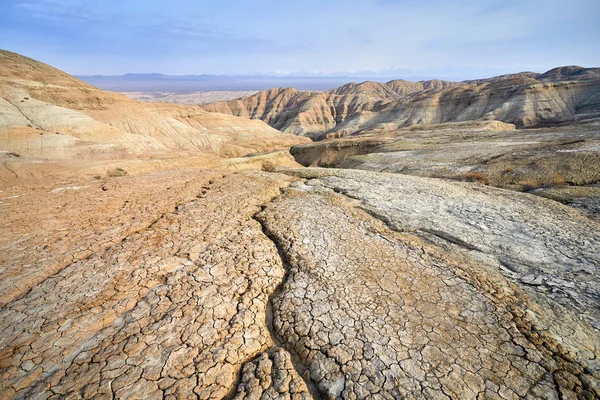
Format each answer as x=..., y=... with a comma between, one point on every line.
x=309, y=284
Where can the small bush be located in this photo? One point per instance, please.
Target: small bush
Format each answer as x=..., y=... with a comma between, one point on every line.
x=475, y=177
x=528, y=184
x=113, y=173
x=557, y=180
x=584, y=169
x=268, y=166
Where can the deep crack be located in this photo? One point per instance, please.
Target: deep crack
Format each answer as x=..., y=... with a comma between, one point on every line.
x=301, y=368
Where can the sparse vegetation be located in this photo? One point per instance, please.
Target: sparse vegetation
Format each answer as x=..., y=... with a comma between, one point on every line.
x=476, y=177
x=269, y=166
x=584, y=169
x=114, y=173
x=528, y=185
x=558, y=180
x=566, y=169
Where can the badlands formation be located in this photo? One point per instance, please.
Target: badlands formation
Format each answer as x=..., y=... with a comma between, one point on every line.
x=48, y=114
x=564, y=94
x=471, y=130
x=161, y=251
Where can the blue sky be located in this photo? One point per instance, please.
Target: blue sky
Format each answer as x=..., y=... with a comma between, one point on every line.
x=396, y=38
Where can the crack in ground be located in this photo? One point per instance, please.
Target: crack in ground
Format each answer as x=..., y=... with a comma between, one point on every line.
x=299, y=365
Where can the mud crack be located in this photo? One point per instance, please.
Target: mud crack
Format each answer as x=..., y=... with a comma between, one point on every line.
x=299, y=365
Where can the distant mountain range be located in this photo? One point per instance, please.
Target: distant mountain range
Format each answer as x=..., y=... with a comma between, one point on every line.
x=205, y=83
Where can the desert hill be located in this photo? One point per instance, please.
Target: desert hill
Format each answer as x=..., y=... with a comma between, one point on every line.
x=49, y=114
x=564, y=94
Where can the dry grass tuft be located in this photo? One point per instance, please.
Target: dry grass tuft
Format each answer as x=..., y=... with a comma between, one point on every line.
x=269, y=166
x=113, y=173
x=476, y=177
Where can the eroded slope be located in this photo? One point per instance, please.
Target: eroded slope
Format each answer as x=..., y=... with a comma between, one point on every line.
x=48, y=114
x=561, y=95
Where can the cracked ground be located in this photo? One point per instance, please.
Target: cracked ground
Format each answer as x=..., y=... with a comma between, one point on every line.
x=314, y=284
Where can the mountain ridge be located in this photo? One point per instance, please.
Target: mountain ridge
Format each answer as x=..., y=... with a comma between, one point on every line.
x=527, y=99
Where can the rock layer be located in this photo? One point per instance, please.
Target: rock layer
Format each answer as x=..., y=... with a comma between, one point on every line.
x=564, y=94
x=48, y=114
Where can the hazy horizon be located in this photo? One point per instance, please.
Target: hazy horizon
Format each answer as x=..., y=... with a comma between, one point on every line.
x=376, y=39
x=156, y=82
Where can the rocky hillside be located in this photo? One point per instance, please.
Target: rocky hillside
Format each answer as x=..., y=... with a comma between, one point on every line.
x=46, y=113
x=563, y=94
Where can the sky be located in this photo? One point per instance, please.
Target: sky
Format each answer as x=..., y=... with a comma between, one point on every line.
x=458, y=39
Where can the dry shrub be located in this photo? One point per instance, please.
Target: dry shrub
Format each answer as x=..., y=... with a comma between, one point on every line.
x=113, y=173
x=528, y=184
x=269, y=166
x=476, y=177
x=584, y=169
x=557, y=180
x=443, y=173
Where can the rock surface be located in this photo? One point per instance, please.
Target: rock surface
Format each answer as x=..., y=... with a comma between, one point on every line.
x=299, y=286
x=528, y=237
x=564, y=94
x=372, y=312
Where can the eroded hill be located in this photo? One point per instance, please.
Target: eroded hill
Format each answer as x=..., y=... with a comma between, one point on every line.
x=49, y=114
x=564, y=94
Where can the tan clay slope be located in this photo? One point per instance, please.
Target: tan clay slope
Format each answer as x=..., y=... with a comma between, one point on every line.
x=46, y=113
x=310, y=113
x=527, y=99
